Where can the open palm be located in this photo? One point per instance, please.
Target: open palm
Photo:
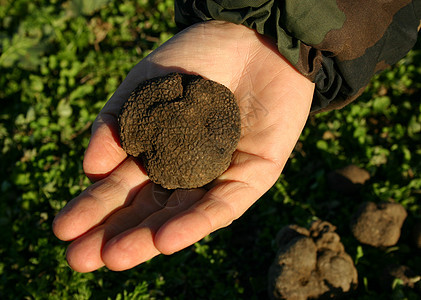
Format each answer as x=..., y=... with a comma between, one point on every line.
x=123, y=219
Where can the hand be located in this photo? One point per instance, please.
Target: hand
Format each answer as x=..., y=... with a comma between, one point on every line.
x=123, y=219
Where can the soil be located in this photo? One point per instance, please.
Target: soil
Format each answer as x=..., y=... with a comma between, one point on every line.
x=416, y=235
x=407, y=277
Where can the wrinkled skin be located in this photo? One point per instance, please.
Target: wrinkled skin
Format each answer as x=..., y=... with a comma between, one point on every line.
x=123, y=220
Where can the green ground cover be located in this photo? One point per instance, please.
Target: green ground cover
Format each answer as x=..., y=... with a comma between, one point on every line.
x=59, y=63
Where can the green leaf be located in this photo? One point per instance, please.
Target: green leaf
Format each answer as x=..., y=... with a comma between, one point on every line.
x=81, y=91
x=381, y=104
x=88, y=7
x=414, y=126
x=322, y=145
x=360, y=254
x=22, y=179
x=64, y=109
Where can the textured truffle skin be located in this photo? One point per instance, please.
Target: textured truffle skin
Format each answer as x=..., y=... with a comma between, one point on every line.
x=184, y=129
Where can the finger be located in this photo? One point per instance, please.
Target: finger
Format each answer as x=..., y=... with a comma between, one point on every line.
x=84, y=254
x=104, y=152
x=224, y=203
x=99, y=200
x=136, y=245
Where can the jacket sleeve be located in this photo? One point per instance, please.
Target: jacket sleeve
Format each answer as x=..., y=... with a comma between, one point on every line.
x=337, y=44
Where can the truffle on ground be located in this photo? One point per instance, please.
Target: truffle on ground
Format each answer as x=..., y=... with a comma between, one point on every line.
x=311, y=264
x=348, y=180
x=182, y=127
x=378, y=225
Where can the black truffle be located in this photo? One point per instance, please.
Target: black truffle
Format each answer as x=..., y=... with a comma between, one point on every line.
x=182, y=127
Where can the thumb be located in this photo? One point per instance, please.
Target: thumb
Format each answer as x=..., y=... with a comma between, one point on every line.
x=104, y=152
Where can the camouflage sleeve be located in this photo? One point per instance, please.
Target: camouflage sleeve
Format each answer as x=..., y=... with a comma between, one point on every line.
x=338, y=44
